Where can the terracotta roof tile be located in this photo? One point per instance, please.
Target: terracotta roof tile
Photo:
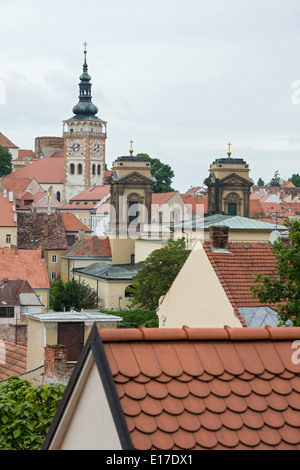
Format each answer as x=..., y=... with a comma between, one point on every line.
x=27, y=264
x=5, y=142
x=44, y=170
x=13, y=359
x=186, y=389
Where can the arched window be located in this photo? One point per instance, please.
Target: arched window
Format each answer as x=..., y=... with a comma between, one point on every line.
x=94, y=169
x=58, y=196
x=79, y=169
x=99, y=170
x=72, y=168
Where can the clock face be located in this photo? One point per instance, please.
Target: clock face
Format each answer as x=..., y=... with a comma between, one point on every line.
x=75, y=147
x=97, y=147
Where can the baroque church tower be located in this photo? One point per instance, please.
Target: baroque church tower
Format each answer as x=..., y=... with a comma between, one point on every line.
x=84, y=142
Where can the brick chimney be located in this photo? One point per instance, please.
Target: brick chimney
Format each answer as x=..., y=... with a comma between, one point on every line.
x=55, y=364
x=219, y=236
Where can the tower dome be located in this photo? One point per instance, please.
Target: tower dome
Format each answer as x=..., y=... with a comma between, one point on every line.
x=85, y=109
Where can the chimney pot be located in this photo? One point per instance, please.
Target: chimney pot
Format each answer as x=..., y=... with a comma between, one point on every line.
x=219, y=236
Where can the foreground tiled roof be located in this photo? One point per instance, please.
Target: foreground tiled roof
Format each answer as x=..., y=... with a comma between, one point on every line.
x=237, y=268
x=13, y=359
x=215, y=388
x=24, y=264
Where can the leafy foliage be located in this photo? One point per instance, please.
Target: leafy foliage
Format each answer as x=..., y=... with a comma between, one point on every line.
x=162, y=172
x=295, y=179
x=26, y=412
x=158, y=273
x=72, y=295
x=136, y=318
x=260, y=182
x=284, y=288
x=5, y=161
x=276, y=180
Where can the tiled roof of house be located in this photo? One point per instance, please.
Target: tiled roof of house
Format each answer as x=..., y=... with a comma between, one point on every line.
x=41, y=231
x=16, y=185
x=22, y=154
x=44, y=170
x=88, y=198
x=13, y=359
x=6, y=212
x=72, y=223
x=237, y=268
x=5, y=142
x=90, y=246
x=198, y=205
x=10, y=290
x=24, y=264
x=207, y=389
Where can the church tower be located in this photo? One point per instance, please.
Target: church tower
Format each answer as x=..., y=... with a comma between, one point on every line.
x=229, y=186
x=84, y=141
x=131, y=188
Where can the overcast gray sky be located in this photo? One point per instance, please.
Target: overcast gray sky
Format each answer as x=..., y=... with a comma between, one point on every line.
x=179, y=78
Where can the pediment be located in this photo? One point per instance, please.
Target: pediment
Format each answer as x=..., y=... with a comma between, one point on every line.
x=135, y=178
x=235, y=180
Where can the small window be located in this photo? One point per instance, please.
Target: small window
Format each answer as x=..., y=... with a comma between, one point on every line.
x=7, y=312
x=94, y=169
x=53, y=276
x=99, y=170
x=8, y=238
x=79, y=169
x=54, y=258
x=72, y=168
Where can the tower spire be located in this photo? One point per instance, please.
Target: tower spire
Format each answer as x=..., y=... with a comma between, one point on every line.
x=85, y=109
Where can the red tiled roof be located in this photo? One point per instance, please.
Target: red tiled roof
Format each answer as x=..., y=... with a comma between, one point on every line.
x=5, y=142
x=236, y=270
x=26, y=153
x=72, y=224
x=10, y=290
x=44, y=170
x=212, y=388
x=88, y=198
x=6, y=212
x=196, y=204
x=90, y=246
x=16, y=185
x=13, y=359
x=28, y=265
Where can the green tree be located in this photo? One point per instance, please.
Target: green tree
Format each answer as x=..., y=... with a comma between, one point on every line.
x=260, y=182
x=276, y=180
x=295, y=179
x=158, y=273
x=26, y=412
x=284, y=288
x=162, y=172
x=72, y=295
x=5, y=161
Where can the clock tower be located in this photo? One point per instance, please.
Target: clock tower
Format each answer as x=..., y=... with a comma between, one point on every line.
x=84, y=141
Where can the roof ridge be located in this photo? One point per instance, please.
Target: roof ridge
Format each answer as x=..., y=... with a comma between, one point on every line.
x=184, y=333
